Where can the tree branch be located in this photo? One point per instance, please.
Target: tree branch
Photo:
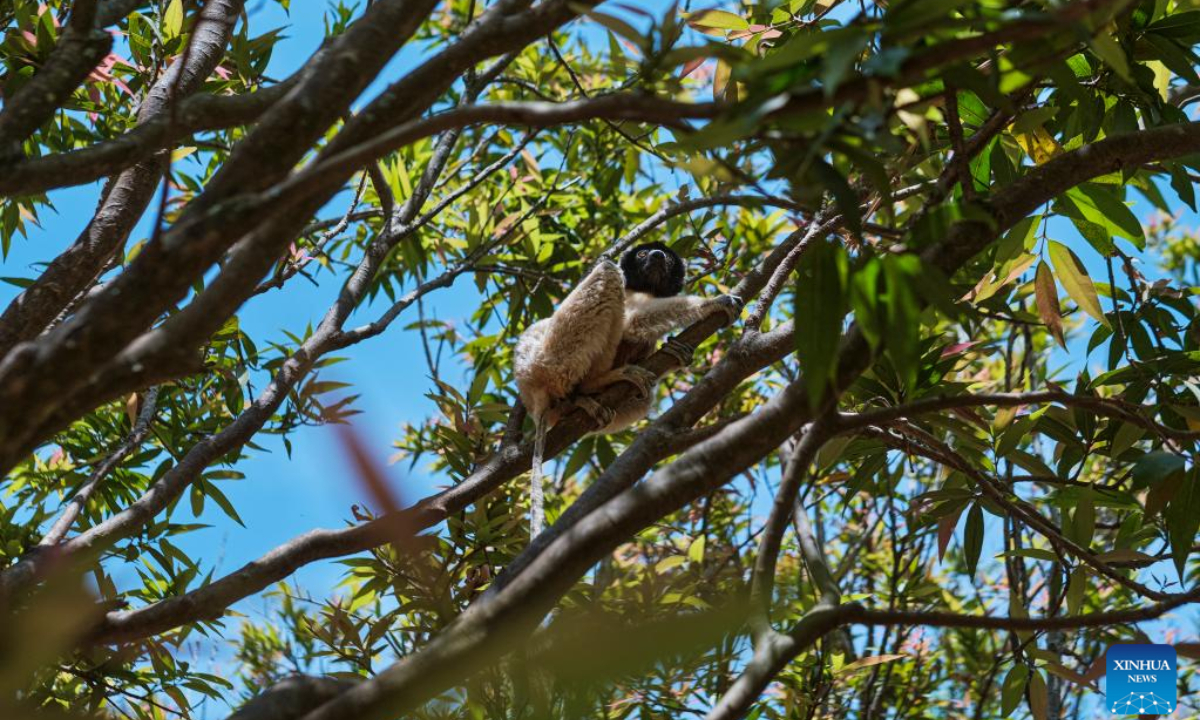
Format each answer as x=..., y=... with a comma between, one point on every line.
x=80, y=48
x=153, y=134
x=126, y=196
x=1101, y=406
x=141, y=428
x=762, y=579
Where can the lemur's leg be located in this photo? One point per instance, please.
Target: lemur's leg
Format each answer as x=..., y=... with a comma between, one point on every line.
x=679, y=350
x=611, y=420
x=579, y=340
x=636, y=375
x=602, y=415
x=627, y=412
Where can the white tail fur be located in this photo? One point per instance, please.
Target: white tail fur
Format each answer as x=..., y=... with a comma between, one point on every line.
x=537, y=510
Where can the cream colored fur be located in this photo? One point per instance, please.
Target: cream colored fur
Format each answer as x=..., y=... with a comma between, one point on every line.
x=576, y=347
x=556, y=354
x=649, y=318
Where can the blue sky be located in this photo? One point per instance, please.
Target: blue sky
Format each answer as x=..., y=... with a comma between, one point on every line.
x=283, y=497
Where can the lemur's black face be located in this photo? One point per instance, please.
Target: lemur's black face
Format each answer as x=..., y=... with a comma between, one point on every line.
x=653, y=268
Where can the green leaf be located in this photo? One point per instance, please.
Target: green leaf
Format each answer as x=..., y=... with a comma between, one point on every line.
x=973, y=539
x=1173, y=56
x=1184, y=25
x=1075, y=280
x=1039, y=696
x=839, y=59
x=1017, y=240
x=843, y=194
x=1109, y=50
x=1182, y=184
x=1076, y=590
x=1155, y=467
x=1183, y=520
x=172, y=21
x=901, y=324
x=1013, y=689
x=668, y=563
x=1100, y=205
x=1083, y=521
x=219, y=498
x=197, y=497
x=820, y=300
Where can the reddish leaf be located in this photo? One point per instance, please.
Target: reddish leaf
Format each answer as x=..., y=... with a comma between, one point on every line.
x=1046, y=294
x=946, y=525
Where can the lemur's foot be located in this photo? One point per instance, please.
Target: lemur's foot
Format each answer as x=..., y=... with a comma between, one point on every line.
x=732, y=306
x=679, y=350
x=641, y=378
x=600, y=414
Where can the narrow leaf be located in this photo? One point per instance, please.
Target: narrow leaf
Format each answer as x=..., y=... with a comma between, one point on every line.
x=973, y=541
x=1183, y=521
x=1013, y=689
x=1076, y=281
x=820, y=299
x=1046, y=294
x=1039, y=696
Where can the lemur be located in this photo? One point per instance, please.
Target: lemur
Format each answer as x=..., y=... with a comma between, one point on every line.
x=609, y=322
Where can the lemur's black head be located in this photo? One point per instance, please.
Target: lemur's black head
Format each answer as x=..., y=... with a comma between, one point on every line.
x=653, y=268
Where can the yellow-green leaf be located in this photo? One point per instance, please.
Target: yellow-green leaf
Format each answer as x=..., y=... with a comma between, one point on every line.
x=868, y=662
x=1039, y=144
x=721, y=79
x=173, y=19
x=717, y=20
x=667, y=563
x=1076, y=281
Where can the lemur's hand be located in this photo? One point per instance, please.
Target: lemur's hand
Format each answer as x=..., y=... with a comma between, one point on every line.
x=732, y=306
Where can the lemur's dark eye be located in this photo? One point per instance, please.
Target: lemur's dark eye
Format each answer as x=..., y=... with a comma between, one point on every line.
x=642, y=253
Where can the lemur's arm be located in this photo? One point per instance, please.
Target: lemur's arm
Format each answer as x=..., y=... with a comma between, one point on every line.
x=650, y=318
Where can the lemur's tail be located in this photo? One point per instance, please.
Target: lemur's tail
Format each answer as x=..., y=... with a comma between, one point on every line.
x=537, y=510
